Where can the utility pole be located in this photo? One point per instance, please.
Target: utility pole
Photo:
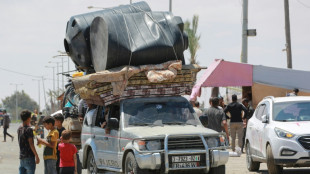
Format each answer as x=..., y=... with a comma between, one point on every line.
x=57, y=92
x=16, y=106
x=44, y=91
x=244, y=53
x=288, y=34
x=170, y=5
x=53, y=76
x=39, y=93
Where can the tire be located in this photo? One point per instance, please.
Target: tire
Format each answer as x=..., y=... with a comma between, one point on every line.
x=272, y=167
x=91, y=164
x=131, y=165
x=251, y=165
x=217, y=170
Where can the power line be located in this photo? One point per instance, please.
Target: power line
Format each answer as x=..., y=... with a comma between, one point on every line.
x=24, y=74
x=305, y=5
x=20, y=73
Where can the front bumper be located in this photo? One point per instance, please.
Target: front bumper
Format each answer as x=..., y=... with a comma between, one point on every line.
x=301, y=157
x=213, y=157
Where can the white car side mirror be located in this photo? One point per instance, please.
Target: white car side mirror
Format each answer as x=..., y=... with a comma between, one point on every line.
x=265, y=119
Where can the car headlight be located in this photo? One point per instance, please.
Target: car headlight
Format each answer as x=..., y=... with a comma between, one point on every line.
x=153, y=145
x=283, y=133
x=147, y=145
x=212, y=142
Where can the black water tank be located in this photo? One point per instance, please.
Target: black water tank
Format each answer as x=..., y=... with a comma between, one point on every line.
x=77, y=42
x=136, y=39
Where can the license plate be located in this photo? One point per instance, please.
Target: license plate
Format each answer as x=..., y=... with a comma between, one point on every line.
x=185, y=165
x=177, y=159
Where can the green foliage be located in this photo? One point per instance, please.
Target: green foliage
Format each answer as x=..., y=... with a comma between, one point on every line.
x=193, y=38
x=24, y=102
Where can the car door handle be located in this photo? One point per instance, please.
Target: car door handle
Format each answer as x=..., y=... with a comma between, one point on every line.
x=105, y=138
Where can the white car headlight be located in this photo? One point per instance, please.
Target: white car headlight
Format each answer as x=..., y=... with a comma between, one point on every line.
x=212, y=142
x=147, y=145
x=153, y=145
x=283, y=133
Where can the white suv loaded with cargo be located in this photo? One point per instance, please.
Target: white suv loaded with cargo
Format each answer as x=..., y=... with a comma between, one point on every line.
x=279, y=134
x=151, y=135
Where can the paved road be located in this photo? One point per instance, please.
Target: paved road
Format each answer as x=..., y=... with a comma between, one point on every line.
x=9, y=161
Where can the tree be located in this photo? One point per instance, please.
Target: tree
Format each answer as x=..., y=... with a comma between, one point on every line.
x=24, y=102
x=193, y=38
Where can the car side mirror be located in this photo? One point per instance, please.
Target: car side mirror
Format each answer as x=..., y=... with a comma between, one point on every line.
x=113, y=123
x=264, y=119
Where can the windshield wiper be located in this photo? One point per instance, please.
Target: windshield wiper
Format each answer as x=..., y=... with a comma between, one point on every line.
x=178, y=123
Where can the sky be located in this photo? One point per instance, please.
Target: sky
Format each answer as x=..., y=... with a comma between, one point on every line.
x=32, y=32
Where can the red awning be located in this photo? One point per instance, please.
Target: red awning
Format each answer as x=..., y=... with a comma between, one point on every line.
x=223, y=73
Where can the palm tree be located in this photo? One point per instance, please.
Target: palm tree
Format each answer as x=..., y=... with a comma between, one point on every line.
x=193, y=38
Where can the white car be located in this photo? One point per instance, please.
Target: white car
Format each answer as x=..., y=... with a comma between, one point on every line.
x=279, y=134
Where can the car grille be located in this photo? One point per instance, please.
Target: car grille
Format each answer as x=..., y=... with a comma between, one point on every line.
x=305, y=142
x=185, y=143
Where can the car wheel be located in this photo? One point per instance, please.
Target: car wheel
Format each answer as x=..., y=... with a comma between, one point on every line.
x=218, y=170
x=131, y=166
x=251, y=165
x=272, y=167
x=91, y=164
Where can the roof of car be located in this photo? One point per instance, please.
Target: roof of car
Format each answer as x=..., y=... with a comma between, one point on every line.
x=288, y=99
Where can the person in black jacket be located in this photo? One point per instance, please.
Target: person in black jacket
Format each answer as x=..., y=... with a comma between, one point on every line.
x=6, y=125
x=236, y=120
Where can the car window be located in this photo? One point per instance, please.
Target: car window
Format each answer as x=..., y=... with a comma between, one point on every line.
x=260, y=111
x=266, y=109
x=90, y=117
x=142, y=113
x=292, y=111
x=100, y=116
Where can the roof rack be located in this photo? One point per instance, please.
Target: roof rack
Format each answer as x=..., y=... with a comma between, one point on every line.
x=270, y=97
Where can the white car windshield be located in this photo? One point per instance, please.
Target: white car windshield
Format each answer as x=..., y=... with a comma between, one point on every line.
x=141, y=113
x=292, y=111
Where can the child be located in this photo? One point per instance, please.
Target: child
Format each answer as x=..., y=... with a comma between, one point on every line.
x=50, y=152
x=68, y=161
x=59, y=119
x=28, y=155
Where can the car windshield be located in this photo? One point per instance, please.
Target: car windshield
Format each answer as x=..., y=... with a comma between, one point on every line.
x=141, y=113
x=292, y=111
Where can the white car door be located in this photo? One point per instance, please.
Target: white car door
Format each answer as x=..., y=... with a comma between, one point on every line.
x=254, y=128
x=261, y=129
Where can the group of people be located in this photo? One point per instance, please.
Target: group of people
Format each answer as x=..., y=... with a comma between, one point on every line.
x=218, y=114
x=59, y=155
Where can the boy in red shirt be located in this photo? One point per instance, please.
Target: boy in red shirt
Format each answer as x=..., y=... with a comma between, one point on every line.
x=68, y=161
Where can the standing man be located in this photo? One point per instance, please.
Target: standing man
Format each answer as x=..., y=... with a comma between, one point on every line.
x=28, y=155
x=216, y=117
x=196, y=108
x=294, y=93
x=245, y=102
x=236, y=123
x=6, y=125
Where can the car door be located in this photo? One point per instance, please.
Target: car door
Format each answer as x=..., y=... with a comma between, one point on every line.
x=100, y=138
x=113, y=138
x=254, y=127
x=261, y=129
x=87, y=131
x=106, y=140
